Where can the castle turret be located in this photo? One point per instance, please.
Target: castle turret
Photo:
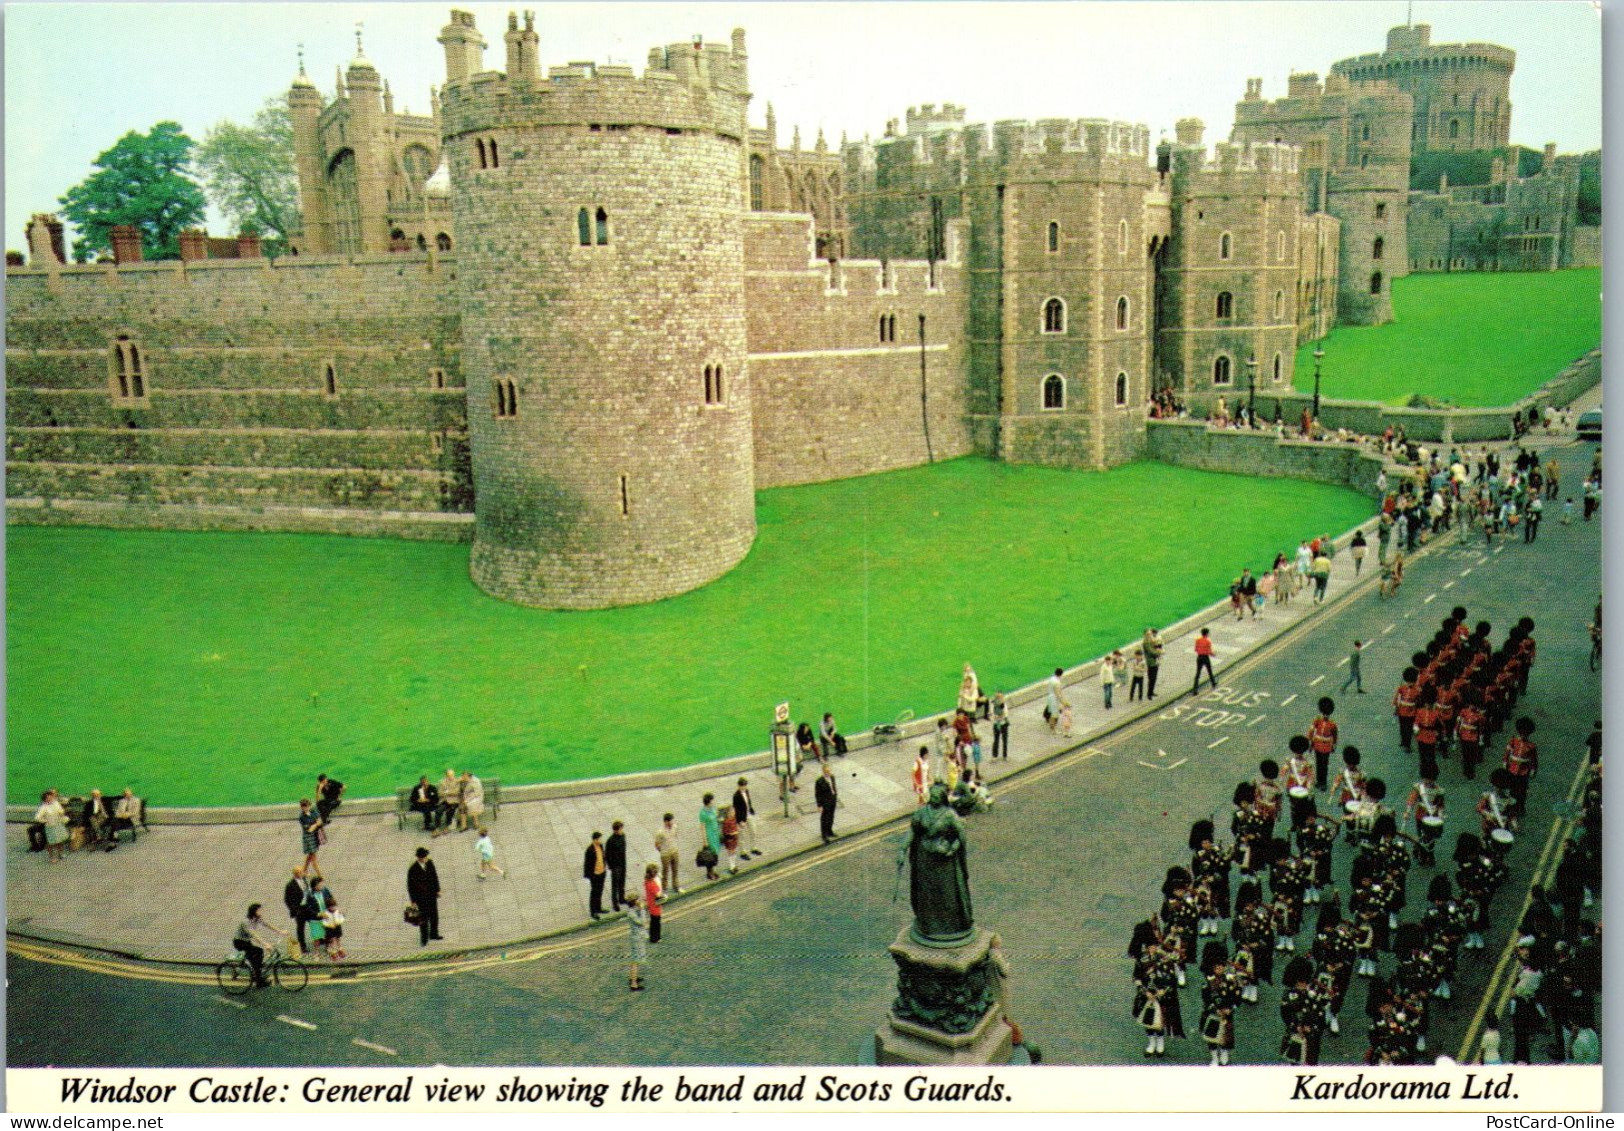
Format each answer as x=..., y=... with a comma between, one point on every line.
x=601, y=273
x=464, y=47
x=304, y=111
x=367, y=139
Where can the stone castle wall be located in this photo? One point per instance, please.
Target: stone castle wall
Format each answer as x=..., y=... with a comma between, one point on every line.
x=835, y=352
x=234, y=406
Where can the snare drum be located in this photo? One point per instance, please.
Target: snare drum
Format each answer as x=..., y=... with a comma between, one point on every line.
x=1299, y=792
x=1502, y=836
x=1351, y=806
x=1433, y=822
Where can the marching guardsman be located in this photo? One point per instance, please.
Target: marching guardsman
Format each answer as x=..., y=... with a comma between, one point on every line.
x=1156, y=997
x=1350, y=783
x=1209, y=864
x=1474, y=875
x=1247, y=825
x=1426, y=726
x=1335, y=947
x=1369, y=911
x=1522, y=759
x=1253, y=931
x=1447, y=704
x=1180, y=910
x=1299, y=780
x=1266, y=794
x=1302, y=1008
x=1497, y=812
x=1405, y=701
x=1221, y=992
x=1425, y=807
x=1469, y=722
x=1445, y=923
x=1322, y=734
x=1315, y=838
x=1523, y=634
x=1361, y=816
x=1288, y=879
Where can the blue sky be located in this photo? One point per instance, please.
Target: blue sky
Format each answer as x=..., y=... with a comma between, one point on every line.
x=78, y=76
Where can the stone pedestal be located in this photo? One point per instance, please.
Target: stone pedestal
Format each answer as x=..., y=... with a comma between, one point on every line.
x=949, y=1008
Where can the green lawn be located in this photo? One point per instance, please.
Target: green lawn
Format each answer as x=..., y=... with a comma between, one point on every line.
x=213, y=668
x=1475, y=339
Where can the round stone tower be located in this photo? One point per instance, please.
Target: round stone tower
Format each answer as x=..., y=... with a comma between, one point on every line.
x=601, y=275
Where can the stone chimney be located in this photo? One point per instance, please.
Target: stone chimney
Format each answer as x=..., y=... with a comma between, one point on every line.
x=248, y=247
x=126, y=243
x=194, y=244
x=1189, y=131
x=44, y=235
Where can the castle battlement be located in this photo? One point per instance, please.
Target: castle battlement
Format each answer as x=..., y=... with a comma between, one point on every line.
x=1227, y=158
x=1000, y=143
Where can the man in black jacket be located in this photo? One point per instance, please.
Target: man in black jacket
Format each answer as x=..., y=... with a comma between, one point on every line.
x=614, y=855
x=743, y=810
x=296, y=896
x=423, y=889
x=426, y=800
x=828, y=797
x=594, y=870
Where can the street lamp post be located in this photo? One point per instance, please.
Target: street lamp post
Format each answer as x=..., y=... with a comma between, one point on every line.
x=1319, y=355
x=1251, y=392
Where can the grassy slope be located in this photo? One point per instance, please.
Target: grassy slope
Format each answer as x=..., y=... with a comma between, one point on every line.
x=205, y=668
x=1472, y=339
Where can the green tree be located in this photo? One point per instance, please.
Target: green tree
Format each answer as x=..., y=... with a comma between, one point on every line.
x=250, y=175
x=143, y=180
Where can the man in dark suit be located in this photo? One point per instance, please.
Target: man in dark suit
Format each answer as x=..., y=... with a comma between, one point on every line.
x=97, y=818
x=595, y=869
x=828, y=797
x=614, y=855
x=296, y=896
x=426, y=800
x=423, y=889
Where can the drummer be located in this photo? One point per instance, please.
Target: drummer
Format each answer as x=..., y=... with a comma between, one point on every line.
x=1426, y=807
x=1497, y=810
x=1299, y=780
x=1350, y=783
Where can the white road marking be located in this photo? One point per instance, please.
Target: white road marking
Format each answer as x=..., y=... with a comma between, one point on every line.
x=1449, y=585
x=1316, y=681
x=1287, y=702
x=1257, y=719
x=1388, y=629
x=232, y=1002
x=1409, y=614
x=1160, y=766
x=1466, y=571
x=1342, y=663
x=294, y=1021
x=1429, y=599
x=1220, y=742
x=375, y=1048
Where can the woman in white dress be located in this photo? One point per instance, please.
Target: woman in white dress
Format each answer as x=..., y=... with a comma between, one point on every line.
x=55, y=819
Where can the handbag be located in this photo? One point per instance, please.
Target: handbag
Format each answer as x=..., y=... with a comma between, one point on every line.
x=705, y=857
x=332, y=919
x=413, y=914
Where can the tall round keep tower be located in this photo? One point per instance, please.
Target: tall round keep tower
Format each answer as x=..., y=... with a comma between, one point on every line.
x=601, y=274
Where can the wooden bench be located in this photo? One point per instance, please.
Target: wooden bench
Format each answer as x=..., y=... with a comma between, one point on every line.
x=493, y=801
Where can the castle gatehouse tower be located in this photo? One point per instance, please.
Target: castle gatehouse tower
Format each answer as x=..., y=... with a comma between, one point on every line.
x=600, y=270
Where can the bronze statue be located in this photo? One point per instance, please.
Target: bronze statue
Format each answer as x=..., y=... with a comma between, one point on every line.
x=939, y=876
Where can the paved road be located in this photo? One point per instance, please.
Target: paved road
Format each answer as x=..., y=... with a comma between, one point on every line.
x=789, y=965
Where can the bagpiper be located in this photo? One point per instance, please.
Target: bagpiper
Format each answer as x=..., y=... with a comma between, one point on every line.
x=1475, y=876
x=1156, y=997
x=1369, y=911
x=1180, y=910
x=1315, y=838
x=1446, y=922
x=1209, y=864
x=1335, y=946
x=1302, y=1009
x=1253, y=931
x=1221, y=992
x=1247, y=825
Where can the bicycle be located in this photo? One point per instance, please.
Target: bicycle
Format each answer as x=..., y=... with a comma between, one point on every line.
x=236, y=977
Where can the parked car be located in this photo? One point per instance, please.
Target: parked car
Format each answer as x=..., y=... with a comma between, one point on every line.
x=1589, y=426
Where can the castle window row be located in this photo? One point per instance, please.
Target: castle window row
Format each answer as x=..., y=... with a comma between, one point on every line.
x=1054, y=392
x=888, y=327
x=589, y=224
x=128, y=372
x=504, y=398
x=1054, y=316
x=488, y=156
x=713, y=385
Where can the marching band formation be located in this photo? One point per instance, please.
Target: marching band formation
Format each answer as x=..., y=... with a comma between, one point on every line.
x=1458, y=694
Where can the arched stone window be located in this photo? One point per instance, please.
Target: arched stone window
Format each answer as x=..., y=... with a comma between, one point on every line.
x=479, y=144
x=1220, y=370
x=1454, y=127
x=1364, y=132
x=504, y=398
x=1054, y=236
x=1054, y=317
x=1122, y=313
x=1279, y=305
x=129, y=371
x=603, y=227
x=756, y=197
x=1122, y=237
x=1226, y=305
x=1376, y=283
x=1279, y=369
x=443, y=242
x=713, y=385
x=1224, y=246
x=491, y=147
x=329, y=378
x=1054, y=391
x=436, y=378
x=1376, y=248
x=1280, y=245
x=1121, y=389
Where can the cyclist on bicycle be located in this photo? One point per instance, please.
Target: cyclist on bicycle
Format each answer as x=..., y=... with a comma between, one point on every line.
x=250, y=932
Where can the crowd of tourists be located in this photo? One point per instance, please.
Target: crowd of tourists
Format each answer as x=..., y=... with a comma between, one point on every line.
x=1272, y=883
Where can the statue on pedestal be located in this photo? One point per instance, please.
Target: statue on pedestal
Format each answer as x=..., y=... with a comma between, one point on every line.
x=939, y=876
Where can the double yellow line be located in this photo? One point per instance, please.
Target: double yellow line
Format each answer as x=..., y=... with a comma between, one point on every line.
x=1502, y=981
